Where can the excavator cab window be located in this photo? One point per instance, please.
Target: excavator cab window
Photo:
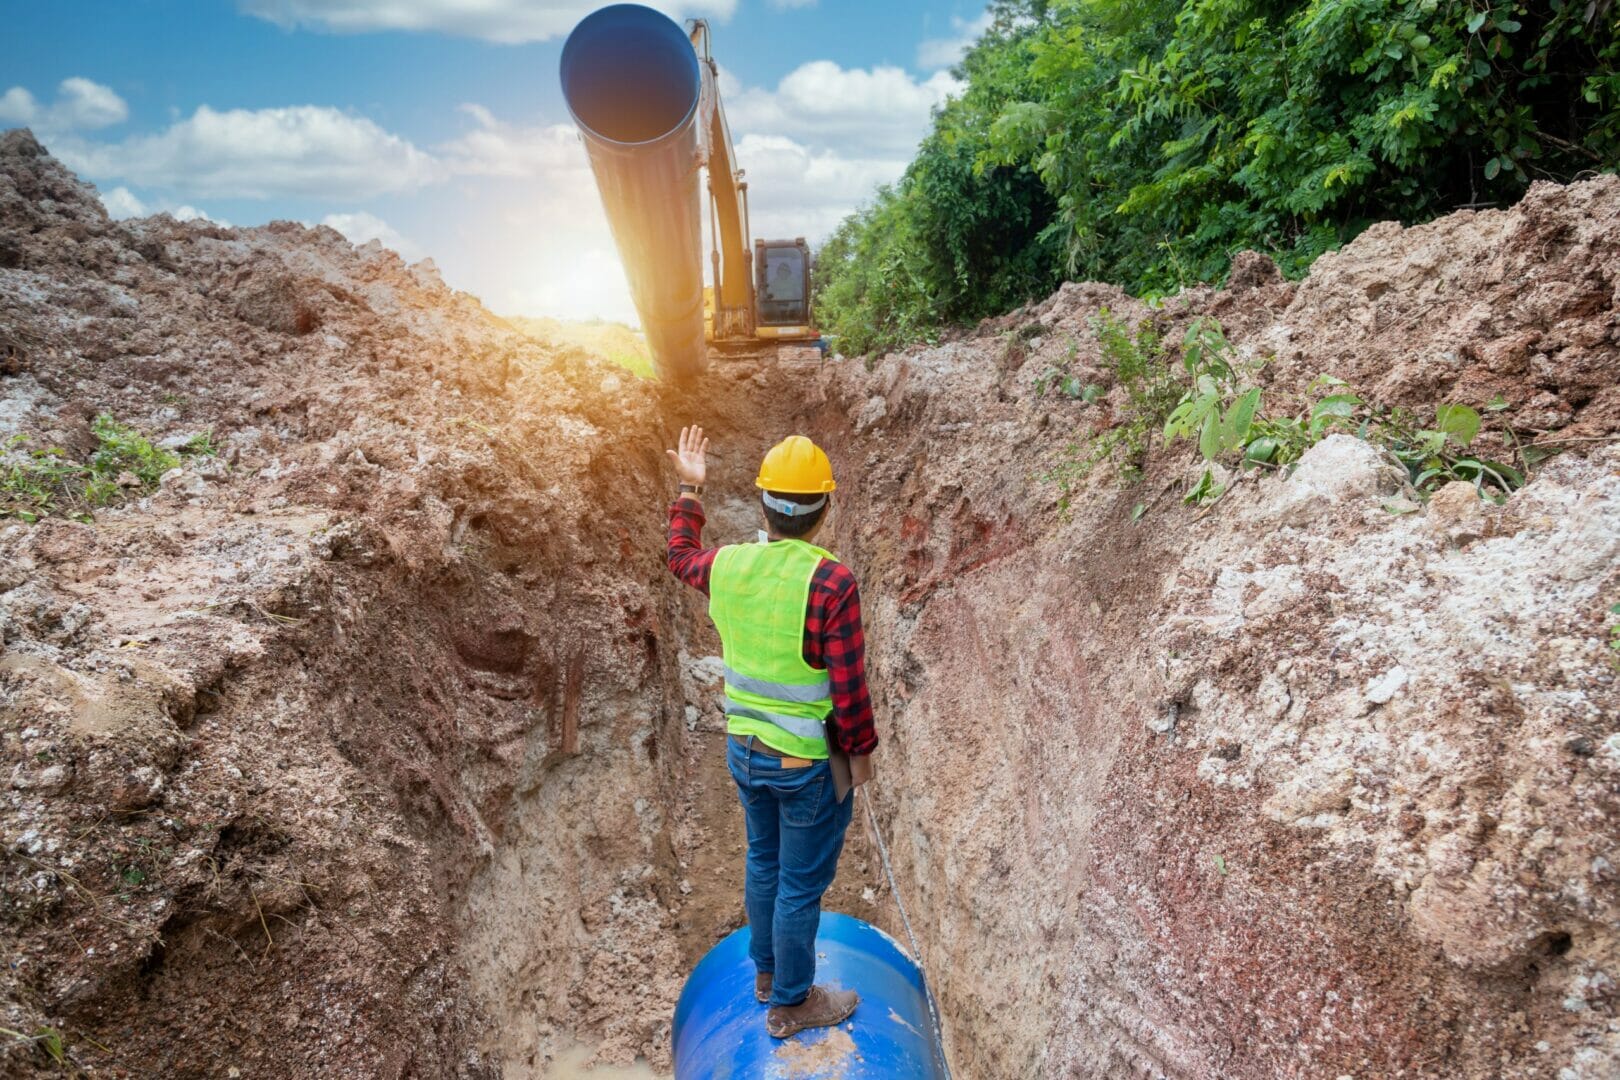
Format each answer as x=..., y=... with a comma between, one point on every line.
x=784, y=282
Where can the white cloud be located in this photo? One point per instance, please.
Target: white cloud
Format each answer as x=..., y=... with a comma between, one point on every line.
x=123, y=203
x=495, y=148
x=17, y=106
x=80, y=105
x=506, y=21
x=877, y=109
x=794, y=190
x=304, y=150
x=187, y=212
x=362, y=227
x=933, y=53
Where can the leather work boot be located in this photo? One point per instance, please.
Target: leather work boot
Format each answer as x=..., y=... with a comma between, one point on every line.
x=762, y=987
x=823, y=1008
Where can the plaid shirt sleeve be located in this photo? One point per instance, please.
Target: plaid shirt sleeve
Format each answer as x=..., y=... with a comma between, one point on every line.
x=833, y=639
x=686, y=556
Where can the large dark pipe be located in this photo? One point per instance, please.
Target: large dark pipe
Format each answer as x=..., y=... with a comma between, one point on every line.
x=632, y=82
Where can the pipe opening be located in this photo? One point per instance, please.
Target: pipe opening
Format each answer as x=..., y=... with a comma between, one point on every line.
x=629, y=74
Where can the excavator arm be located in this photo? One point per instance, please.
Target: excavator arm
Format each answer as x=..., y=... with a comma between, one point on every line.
x=730, y=259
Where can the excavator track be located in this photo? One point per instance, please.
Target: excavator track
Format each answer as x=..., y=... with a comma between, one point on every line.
x=763, y=350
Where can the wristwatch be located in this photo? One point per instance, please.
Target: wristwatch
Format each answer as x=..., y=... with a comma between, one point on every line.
x=692, y=489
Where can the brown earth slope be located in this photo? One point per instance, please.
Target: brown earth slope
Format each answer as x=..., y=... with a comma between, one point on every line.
x=362, y=749
x=381, y=744
x=1292, y=786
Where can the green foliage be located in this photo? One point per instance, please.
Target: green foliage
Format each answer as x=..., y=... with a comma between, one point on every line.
x=37, y=482
x=1151, y=388
x=1220, y=409
x=1441, y=454
x=1614, y=632
x=1143, y=142
x=956, y=239
x=125, y=449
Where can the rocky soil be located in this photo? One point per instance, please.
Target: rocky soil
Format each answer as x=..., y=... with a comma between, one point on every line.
x=364, y=748
x=1290, y=786
x=381, y=744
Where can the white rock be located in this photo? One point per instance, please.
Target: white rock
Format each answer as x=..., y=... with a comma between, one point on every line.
x=183, y=482
x=1339, y=470
x=1386, y=686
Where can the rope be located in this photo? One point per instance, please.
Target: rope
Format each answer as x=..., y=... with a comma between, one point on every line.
x=888, y=870
x=905, y=920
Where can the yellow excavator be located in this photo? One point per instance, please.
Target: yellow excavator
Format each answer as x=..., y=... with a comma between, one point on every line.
x=645, y=96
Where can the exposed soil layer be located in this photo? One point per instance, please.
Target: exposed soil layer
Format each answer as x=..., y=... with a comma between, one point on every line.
x=1292, y=786
x=364, y=748
x=382, y=744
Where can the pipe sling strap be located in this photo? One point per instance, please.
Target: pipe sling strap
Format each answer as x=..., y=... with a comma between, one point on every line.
x=758, y=597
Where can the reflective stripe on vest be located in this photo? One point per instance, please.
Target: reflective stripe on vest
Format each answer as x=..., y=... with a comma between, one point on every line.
x=793, y=725
x=808, y=694
x=759, y=595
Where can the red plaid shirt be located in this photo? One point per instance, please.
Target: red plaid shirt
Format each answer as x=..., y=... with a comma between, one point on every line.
x=832, y=626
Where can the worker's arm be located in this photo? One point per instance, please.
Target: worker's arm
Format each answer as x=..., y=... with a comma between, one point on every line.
x=686, y=556
x=844, y=652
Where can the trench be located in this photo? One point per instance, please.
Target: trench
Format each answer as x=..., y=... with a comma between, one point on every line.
x=619, y=862
x=390, y=750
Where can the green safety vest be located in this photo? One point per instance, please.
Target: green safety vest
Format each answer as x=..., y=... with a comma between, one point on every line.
x=758, y=597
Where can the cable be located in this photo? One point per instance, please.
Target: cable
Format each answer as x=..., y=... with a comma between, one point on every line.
x=905, y=920
x=900, y=902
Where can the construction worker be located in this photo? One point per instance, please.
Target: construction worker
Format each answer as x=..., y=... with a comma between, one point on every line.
x=798, y=716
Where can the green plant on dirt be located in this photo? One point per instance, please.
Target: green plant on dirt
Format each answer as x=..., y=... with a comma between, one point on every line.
x=123, y=449
x=1137, y=364
x=1221, y=412
x=1059, y=379
x=1437, y=455
x=35, y=482
x=47, y=1040
x=1218, y=410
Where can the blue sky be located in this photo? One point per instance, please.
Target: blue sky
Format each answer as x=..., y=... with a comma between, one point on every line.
x=438, y=126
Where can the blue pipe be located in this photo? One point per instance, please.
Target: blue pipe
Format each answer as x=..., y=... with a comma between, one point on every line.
x=632, y=83
x=719, y=1031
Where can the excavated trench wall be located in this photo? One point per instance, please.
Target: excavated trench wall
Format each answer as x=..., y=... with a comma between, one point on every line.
x=1293, y=785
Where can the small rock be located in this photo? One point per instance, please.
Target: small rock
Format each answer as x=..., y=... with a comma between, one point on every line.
x=127, y=479
x=183, y=482
x=1456, y=512
x=177, y=442
x=1380, y=690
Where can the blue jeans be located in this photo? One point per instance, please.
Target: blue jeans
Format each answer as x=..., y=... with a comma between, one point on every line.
x=795, y=833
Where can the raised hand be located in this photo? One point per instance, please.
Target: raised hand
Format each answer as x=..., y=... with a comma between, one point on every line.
x=688, y=460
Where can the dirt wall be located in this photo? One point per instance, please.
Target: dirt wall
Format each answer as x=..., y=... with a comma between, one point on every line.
x=1292, y=785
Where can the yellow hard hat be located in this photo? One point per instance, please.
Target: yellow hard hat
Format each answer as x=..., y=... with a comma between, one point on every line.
x=796, y=466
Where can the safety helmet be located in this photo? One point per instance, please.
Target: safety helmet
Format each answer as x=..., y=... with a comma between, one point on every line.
x=796, y=466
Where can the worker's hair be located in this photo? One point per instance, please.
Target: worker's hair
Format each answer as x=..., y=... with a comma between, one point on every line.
x=798, y=524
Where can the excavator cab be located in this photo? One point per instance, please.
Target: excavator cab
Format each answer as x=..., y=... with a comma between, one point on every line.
x=783, y=284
